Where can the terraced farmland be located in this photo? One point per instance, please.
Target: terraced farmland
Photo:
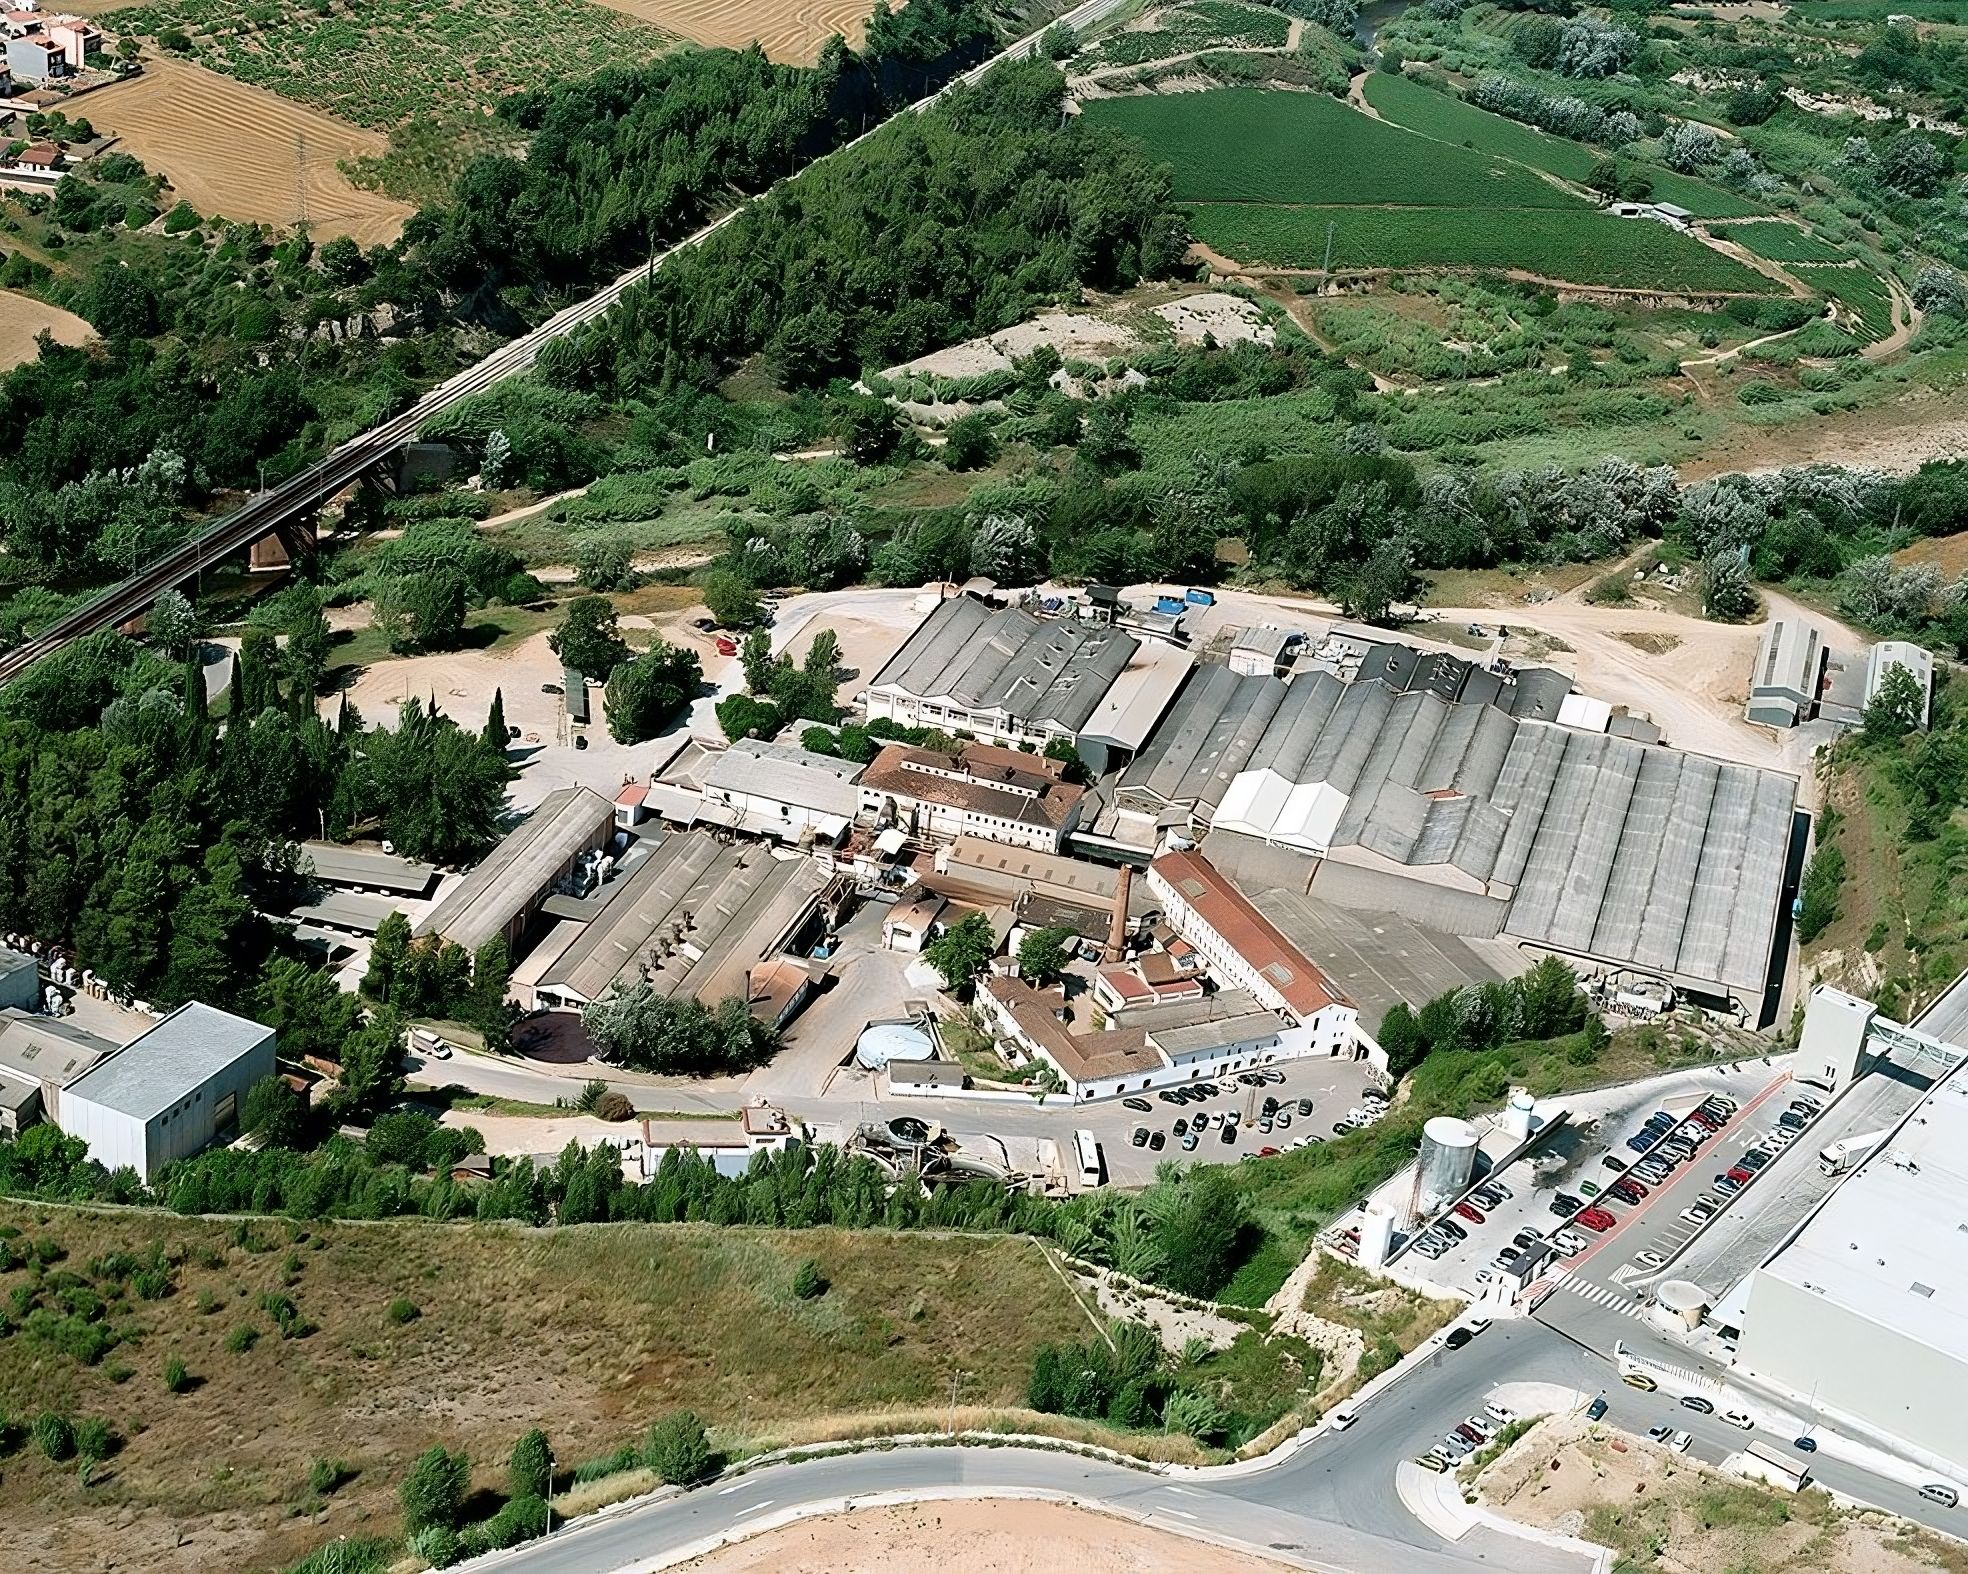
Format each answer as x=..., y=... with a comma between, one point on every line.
x=1268, y=172
x=1780, y=242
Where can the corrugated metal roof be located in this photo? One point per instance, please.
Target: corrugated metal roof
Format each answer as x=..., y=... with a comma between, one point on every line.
x=368, y=866
x=1000, y=658
x=182, y=1053
x=785, y=774
x=520, y=869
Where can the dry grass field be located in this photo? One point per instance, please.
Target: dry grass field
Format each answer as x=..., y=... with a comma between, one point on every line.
x=243, y=153
x=791, y=31
x=590, y=1333
x=22, y=319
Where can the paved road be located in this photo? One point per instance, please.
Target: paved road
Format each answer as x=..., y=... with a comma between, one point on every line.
x=1331, y=1505
x=319, y=481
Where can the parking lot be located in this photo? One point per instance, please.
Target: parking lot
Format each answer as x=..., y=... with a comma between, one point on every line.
x=1572, y=1161
x=1010, y=1132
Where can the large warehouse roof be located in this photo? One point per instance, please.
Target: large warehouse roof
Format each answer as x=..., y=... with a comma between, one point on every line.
x=182, y=1053
x=369, y=867
x=520, y=869
x=786, y=774
x=1604, y=846
x=1886, y=1244
x=697, y=914
x=999, y=658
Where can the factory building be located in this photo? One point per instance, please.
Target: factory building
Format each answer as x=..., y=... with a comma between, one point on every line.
x=39, y=1057
x=1473, y=817
x=1864, y=1313
x=991, y=793
x=168, y=1094
x=544, y=854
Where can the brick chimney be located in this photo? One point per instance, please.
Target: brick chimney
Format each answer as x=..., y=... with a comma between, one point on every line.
x=1117, y=925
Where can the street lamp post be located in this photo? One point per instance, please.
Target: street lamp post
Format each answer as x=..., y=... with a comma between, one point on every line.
x=550, y=1476
x=955, y=1377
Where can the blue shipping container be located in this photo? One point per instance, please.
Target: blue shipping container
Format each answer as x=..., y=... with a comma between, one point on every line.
x=1202, y=598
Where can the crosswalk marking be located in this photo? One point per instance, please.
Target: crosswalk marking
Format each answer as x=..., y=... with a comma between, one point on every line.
x=1600, y=1295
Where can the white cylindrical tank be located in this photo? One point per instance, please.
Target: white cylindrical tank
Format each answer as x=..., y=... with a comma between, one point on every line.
x=1448, y=1157
x=1376, y=1235
x=1517, y=1115
x=1681, y=1302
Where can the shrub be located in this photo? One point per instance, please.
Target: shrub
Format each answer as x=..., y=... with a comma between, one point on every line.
x=614, y=1106
x=437, y=1546
x=434, y=1491
x=324, y=1475
x=241, y=1339
x=809, y=1281
x=678, y=1450
x=95, y=1440
x=403, y=1310
x=521, y=1519
x=54, y=1436
x=529, y=1472
x=177, y=1378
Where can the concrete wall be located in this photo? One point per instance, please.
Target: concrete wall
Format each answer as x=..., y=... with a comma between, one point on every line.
x=1851, y=1367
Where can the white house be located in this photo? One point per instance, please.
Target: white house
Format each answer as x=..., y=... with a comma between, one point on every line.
x=1246, y=950
x=168, y=1094
x=1000, y=795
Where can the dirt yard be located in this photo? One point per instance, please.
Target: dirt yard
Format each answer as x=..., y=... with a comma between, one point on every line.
x=1896, y=437
x=1663, y=1514
x=244, y=153
x=790, y=31
x=588, y=1333
x=23, y=319
x=979, y=1536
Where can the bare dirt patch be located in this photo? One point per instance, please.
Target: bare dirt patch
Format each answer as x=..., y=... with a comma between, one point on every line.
x=1654, y=644
x=590, y=1333
x=980, y=1536
x=23, y=319
x=244, y=153
x=1662, y=1513
x=1947, y=553
x=791, y=31
x=1895, y=437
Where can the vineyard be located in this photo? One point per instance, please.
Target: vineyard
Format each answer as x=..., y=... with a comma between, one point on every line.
x=1247, y=145
x=1579, y=246
x=1780, y=242
x=1182, y=30
x=791, y=31
x=386, y=63
x=243, y=153
x=1431, y=114
x=1269, y=173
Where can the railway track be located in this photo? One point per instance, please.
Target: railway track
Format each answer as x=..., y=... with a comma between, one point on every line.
x=308, y=490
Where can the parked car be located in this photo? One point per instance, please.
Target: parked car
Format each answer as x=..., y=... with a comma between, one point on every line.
x=1755, y=1159
x=1683, y=1441
x=1738, y=1418
x=1567, y=1244
x=1274, y=1077
x=1305, y=1106
x=1613, y=1162
x=1808, y=1445
x=1157, y=1141
x=1790, y=1120
x=1597, y=1219
x=1431, y=1462
x=1696, y=1403
x=1229, y=1132
x=1524, y=1237
x=1639, y=1380
x=1660, y=1434
x=1937, y=1492
x=1596, y=1411
x=1700, y=1213
x=1283, y=1118
x=1251, y=1079
x=1189, y=1142
x=1470, y=1434
x=1265, y=1153
x=1464, y=1210
x=1139, y=1136
x=1741, y=1176
x=1141, y=1104
x=1170, y=1096
x=1503, y=1415
x=1450, y=1228
x=1457, y=1338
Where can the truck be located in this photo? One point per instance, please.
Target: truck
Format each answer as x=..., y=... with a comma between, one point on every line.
x=1849, y=1152
x=1760, y=1462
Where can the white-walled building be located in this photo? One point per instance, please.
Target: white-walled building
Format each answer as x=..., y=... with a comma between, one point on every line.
x=781, y=791
x=1000, y=795
x=1244, y=949
x=166, y=1095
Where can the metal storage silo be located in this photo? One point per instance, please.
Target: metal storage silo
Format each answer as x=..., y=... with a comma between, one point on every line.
x=1448, y=1158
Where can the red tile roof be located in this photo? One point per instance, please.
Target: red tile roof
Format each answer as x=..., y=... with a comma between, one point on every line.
x=985, y=782
x=1301, y=981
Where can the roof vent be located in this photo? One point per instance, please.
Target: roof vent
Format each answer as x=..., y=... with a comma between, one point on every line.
x=1923, y=1289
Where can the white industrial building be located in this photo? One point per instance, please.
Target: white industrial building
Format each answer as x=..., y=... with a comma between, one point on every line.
x=1864, y=1313
x=778, y=790
x=20, y=981
x=166, y=1095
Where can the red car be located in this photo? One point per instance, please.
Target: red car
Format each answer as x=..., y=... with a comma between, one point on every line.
x=1595, y=1219
x=1631, y=1190
x=1740, y=1175
x=1469, y=1213
x=1701, y=1117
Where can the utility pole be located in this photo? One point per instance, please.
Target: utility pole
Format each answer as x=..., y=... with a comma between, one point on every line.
x=1325, y=268
x=954, y=1378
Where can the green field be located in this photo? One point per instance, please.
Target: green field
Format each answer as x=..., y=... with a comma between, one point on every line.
x=1780, y=242
x=1578, y=245
x=1857, y=288
x=1248, y=145
x=1432, y=114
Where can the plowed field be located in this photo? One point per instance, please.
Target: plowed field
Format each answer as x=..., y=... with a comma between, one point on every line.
x=789, y=30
